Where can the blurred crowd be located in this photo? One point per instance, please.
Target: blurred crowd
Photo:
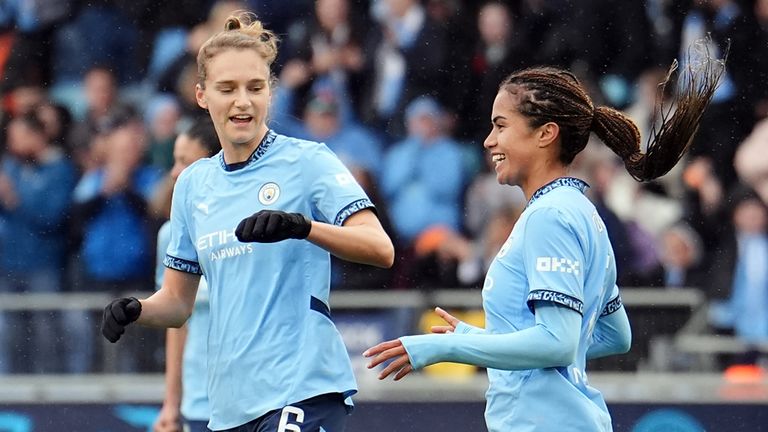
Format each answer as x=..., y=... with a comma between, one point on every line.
x=95, y=92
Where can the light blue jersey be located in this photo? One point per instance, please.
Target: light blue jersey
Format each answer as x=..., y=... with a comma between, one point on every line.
x=271, y=341
x=559, y=252
x=194, y=395
x=558, y=263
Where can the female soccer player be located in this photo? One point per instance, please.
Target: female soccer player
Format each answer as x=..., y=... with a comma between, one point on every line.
x=259, y=221
x=550, y=296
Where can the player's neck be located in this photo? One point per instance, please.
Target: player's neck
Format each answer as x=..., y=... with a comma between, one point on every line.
x=240, y=152
x=541, y=177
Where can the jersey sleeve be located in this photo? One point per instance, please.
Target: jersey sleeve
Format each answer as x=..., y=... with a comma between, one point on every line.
x=181, y=253
x=334, y=193
x=614, y=302
x=554, y=260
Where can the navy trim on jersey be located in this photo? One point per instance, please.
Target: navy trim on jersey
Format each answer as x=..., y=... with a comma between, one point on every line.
x=317, y=305
x=351, y=209
x=555, y=297
x=556, y=183
x=612, y=306
x=182, y=265
x=262, y=148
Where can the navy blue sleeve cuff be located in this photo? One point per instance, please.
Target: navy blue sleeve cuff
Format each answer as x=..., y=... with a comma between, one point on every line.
x=612, y=306
x=182, y=265
x=555, y=297
x=352, y=208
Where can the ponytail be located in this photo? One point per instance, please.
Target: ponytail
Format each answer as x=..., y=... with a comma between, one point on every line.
x=672, y=138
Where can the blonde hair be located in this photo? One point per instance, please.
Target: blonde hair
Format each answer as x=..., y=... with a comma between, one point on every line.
x=241, y=31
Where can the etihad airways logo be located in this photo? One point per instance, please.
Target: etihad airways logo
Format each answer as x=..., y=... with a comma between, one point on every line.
x=222, y=244
x=554, y=264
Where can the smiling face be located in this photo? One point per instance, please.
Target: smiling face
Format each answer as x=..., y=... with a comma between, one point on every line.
x=512, y=143
x=236, y=93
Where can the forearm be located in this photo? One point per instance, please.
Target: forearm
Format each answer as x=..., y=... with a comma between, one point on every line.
x=174, y=354
x=549, y=343
x=172, y=305
x=612, y=335
x=365, y=242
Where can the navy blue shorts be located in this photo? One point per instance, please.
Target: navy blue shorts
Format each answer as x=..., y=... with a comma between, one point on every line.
x=195, y=426
x=324, y=413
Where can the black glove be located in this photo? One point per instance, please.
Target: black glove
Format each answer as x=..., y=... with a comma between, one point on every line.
x=118, y=314
x=269, y=226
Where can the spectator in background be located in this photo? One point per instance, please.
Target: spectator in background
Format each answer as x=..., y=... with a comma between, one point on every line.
x=681, y=259
x=498, y=52
x=322, y=121
x=57, y=121
x=750, y=161
x=405, y=58
x=330, y=46
x=36, y=183
x=161, y=118
x=111, y=209
x=745, y=252
x=102, y=101
x=423, y=179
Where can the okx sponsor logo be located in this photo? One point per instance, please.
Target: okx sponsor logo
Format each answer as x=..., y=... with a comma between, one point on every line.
x=555, y=264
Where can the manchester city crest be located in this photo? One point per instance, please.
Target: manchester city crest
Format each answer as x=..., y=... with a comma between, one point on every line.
x=269, y=193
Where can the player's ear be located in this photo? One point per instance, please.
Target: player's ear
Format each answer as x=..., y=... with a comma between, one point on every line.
x=200, y=96
x=547, y=133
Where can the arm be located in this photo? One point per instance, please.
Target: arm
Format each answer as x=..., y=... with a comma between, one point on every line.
x=361, y=239
x=551, y=342
x=169, y=419
x=612, y=335
x=172, y=305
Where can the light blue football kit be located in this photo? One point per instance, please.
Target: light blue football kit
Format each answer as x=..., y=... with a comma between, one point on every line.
x=271, y=341
x=553, y=281
x=194, y=396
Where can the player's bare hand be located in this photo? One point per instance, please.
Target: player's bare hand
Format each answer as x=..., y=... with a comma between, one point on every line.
x=169, y=419
x=448, y=318
x=390, y=350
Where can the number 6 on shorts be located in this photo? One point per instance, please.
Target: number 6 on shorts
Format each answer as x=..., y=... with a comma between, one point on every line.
x=287, y=411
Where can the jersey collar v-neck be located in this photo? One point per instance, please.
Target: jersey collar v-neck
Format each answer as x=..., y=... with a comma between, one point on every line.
x=260, y=150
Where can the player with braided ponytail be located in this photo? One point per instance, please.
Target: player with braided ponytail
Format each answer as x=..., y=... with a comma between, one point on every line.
x=550, y=295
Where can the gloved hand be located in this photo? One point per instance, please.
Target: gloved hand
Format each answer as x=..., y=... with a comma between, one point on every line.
x=270, y=226
x=118, y=314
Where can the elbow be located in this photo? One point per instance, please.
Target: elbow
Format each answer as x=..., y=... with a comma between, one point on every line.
x=624, y=344
x=385, y=255
x=389, y=256
x=564, y=354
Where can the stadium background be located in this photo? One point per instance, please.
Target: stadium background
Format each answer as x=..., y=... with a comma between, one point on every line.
x=688, y=370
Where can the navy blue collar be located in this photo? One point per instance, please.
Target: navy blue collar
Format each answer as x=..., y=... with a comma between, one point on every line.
x=261, y=149
x=579, y=184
